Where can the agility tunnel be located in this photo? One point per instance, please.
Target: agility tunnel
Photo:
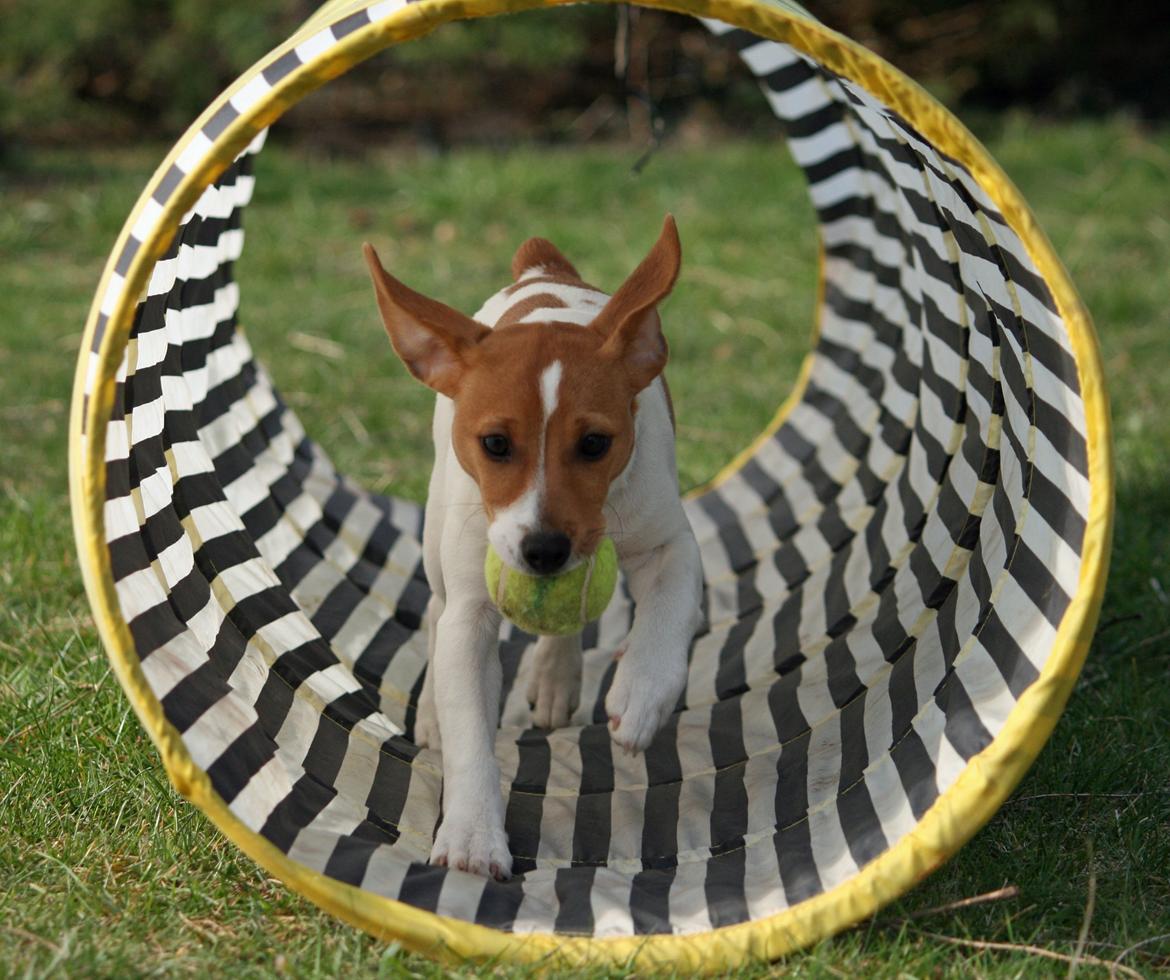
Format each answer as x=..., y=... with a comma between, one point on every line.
x=903, y=572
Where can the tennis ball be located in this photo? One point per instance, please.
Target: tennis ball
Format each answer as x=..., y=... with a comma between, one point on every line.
x=553, y=605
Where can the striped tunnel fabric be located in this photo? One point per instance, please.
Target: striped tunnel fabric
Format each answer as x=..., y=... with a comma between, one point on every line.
x=884, y=576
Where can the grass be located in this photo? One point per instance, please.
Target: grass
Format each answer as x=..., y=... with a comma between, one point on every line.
x=104, y=871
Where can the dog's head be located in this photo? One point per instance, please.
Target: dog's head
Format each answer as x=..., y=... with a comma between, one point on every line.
x=544, y=412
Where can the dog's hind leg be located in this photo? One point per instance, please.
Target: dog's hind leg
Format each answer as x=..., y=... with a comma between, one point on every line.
x=426, y=722
x=554, y=690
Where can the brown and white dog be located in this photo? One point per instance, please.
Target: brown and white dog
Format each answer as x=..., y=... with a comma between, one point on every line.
x=552, y=417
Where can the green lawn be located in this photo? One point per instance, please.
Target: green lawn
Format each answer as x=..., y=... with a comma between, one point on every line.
x=105, y=871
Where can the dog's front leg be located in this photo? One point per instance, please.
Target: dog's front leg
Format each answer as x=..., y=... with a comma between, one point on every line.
x=666, y=583
x=467, y=678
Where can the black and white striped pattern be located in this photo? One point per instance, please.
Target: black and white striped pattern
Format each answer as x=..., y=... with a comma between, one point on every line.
x=885, y=576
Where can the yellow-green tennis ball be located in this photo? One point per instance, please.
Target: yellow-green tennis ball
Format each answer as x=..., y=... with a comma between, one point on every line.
x=553, y=605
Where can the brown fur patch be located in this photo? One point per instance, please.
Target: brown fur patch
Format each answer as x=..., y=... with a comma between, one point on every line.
x=550, y=280
x=501, y=395
x=541, y=252
x=518, y=311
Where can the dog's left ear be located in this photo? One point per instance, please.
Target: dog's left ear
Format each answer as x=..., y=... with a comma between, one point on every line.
x=629, y=322
x=432, y=339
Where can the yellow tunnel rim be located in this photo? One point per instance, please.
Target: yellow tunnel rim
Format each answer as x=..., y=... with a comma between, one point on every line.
x=955, y=815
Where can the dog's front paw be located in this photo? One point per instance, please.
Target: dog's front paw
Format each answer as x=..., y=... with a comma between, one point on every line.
x=473, y=841
x=643, y=694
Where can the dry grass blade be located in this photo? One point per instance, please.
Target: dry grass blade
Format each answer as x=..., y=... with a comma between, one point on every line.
x=1151, y=640
x=311, y=344
x=1048, y=954
x=1090, y=905
x=32, y=937
x=354, y=424
x=1136, y=794
x=1116, y=964
x=998, y=895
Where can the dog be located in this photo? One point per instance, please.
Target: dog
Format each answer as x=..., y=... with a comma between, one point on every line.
x=551, y=417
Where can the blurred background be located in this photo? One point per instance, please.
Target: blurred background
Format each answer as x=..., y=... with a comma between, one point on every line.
x=112, y=70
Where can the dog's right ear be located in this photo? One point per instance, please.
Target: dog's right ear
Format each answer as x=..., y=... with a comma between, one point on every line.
x=629, y=322
x=432, y=339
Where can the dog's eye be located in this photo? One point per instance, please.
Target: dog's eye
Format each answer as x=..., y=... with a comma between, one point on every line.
x=594, y=445
x=496, y=446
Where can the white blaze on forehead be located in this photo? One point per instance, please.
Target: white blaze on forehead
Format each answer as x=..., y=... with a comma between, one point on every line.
x=522, y=517
x=550, y=385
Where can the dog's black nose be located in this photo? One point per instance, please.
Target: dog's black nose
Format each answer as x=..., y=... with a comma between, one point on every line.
x=546, y=551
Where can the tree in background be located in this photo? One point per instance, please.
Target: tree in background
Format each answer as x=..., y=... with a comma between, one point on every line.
x=104, y=70
x=1057, y=56
x=121, y=67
